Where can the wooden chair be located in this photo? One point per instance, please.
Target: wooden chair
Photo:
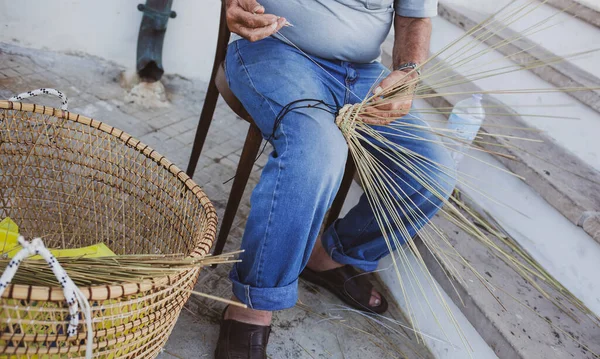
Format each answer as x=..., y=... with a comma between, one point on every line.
x=218, y=85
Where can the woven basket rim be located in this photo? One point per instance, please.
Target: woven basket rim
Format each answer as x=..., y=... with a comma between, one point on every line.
x=28, y=292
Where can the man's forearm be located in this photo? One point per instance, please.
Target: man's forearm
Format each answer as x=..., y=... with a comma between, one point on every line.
x=412, y=37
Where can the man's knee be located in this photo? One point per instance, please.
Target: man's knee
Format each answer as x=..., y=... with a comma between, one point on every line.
x=322, y=150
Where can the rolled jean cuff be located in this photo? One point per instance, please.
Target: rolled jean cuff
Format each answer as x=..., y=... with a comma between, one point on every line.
x=269, y=299
x=333, y=246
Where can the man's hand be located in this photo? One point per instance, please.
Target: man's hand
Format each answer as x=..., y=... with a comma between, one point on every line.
x=386, y=111
x=411, y=44
x=247, y=18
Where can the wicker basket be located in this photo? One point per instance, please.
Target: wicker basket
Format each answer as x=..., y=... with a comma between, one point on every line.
x=76, y=182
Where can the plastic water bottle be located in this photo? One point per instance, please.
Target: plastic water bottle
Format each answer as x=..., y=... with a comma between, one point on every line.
x=464, y=123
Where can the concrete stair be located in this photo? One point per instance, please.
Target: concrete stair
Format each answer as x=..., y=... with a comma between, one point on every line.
x=586, y=10
x=564, y=35
x=553, y=214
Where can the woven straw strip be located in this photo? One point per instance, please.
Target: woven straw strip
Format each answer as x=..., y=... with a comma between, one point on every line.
x=164, y=314
x=172, y=312
x=166, y=295
x=130, y=141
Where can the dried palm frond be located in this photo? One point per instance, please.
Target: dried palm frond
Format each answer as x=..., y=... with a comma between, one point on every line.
x=119, y=269
x=90, y=271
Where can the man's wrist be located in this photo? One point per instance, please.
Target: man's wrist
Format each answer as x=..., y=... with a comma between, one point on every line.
x=408, y=67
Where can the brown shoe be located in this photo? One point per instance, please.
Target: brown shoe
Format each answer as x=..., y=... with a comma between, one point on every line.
x=239, y=340
x=348, y=284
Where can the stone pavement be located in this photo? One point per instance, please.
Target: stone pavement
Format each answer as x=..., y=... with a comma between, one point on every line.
x=318, y=328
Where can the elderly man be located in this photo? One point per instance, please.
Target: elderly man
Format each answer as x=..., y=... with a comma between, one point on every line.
x=330, y=54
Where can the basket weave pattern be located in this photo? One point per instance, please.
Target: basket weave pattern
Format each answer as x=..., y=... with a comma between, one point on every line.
x=76, y=182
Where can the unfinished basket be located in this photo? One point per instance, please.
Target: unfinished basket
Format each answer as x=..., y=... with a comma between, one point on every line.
x=76, y=182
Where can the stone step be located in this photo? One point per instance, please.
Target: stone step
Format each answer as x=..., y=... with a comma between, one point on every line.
x=562, y=36
x=503, y=327
x=513, y=321
x=586, y=10
x=559, y=33
x=513, y=330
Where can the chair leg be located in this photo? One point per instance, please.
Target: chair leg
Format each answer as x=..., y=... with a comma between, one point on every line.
x=208, y=110
x=212, y=94
x=340, y=197
x=249, y=153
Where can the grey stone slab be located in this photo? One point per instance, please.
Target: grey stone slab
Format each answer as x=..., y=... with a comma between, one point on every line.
x=23, y=70
x=159, y=118
x=578, y=10
x=183, y=126
x=228, y=163
x=513, y=318
x=10, y=72
x=38, y=80
x=562, y=74
x=188, y=137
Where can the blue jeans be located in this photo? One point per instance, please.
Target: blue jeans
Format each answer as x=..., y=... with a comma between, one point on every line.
x=304, y=171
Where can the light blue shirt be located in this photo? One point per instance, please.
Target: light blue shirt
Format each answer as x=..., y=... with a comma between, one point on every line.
x=348, y=30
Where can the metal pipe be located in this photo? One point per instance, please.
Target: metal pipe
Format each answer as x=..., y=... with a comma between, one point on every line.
x=151, y=36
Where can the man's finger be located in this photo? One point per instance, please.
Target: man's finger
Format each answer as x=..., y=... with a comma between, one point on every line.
x=395, y=78
x=250, y=20
x=392, y=79
x=389, y=81
x=259, y=10
x=256, y=34
x=388, y=110
x=384, y=110
x=377, y=113
x=375, y=121
x=252, y=6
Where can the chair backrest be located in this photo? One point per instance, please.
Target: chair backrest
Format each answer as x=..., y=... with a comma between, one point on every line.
x=218, y=78
x=222, y=41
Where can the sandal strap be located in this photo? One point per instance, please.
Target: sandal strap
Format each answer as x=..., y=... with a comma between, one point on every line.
x=348, y=284
x=351, y=282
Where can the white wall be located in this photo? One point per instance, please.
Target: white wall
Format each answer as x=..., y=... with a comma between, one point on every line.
x=109, y=29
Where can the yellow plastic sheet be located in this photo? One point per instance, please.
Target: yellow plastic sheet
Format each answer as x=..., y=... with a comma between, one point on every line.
x=9, y=246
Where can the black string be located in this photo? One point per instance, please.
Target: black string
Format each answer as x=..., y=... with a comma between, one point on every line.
x=292, y=106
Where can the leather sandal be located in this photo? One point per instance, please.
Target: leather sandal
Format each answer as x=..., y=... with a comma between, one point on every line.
x=239, y=340
x=348, y=284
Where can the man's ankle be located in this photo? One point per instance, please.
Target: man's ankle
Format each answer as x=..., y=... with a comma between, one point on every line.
x=319, y=259
x=248, y=316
